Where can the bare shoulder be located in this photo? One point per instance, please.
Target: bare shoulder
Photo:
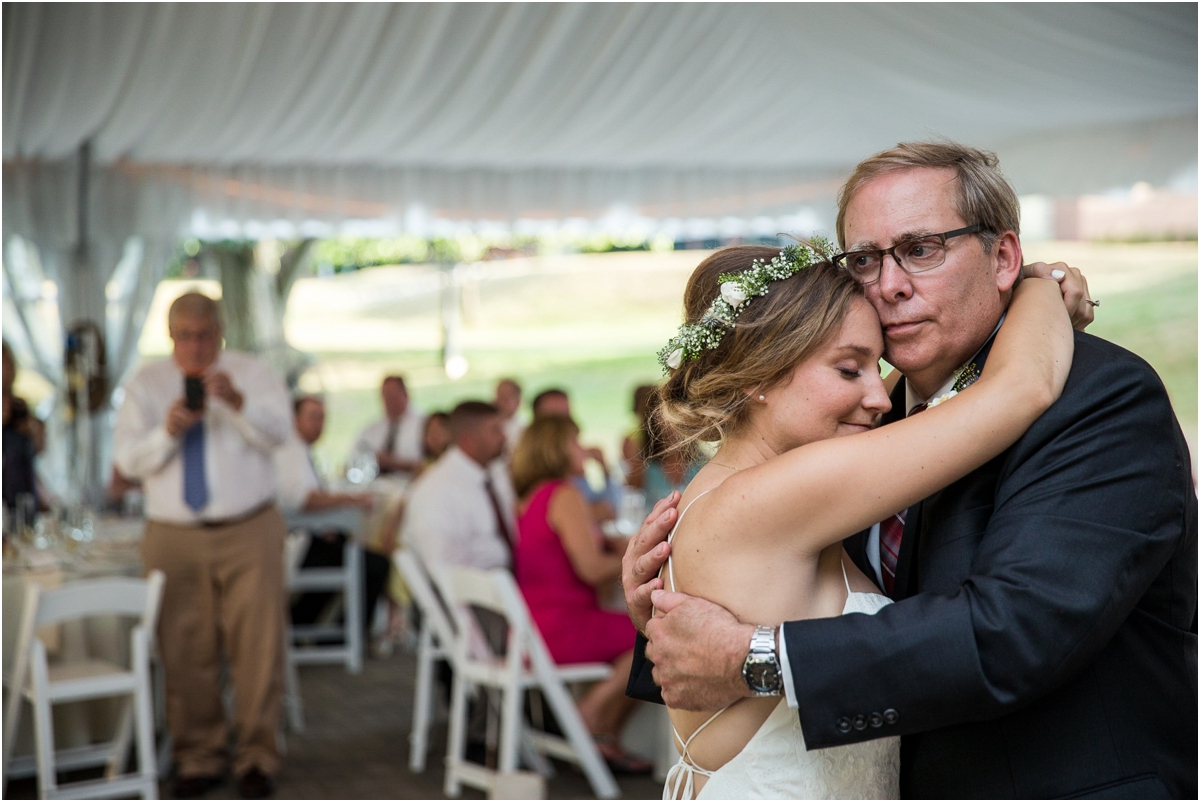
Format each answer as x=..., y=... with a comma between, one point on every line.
x=566, y=500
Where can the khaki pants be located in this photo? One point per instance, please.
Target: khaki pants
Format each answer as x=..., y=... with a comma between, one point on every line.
x=223, y=595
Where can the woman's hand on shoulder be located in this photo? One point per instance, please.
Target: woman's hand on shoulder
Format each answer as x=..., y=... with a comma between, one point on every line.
x=1074, y=287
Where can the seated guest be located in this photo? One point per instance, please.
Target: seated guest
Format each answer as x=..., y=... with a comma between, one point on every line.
x=394, y=441
x=300, y=488
x=634, y=445
x=436, y=437
x=19, y=443
x=551, y=402
x=562, y=559
x=508, y=401
x=667, y=467
x=604, y=503
x=460, y=510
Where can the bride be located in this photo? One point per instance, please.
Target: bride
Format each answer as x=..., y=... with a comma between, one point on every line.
x=778, y=363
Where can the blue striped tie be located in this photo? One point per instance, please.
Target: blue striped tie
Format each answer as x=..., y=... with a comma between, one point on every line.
x=195, y=482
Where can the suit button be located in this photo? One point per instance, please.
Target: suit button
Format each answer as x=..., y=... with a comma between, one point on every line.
x=843, y=725
x=860, y=722
x=891, y=716
x=875, y=720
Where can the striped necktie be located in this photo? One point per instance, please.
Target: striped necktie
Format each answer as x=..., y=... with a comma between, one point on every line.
x=195, y=482
x=891, y=532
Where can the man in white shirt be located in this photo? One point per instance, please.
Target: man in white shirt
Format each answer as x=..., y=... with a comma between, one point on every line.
x=301, y=489
x=461, y=510
x=394, y=441
x=203, y=455
x=508, y=401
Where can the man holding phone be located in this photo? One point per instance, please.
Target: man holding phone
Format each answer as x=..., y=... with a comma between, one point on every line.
x=199, y=430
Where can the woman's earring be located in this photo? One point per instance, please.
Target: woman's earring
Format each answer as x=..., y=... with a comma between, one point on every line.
x=762, y=398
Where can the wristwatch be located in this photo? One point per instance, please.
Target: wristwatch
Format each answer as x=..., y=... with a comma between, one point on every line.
x=761, y=669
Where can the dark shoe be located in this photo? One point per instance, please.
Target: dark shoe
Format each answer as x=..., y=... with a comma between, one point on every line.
x=619, y=761
x=189, y=787
x=255, y=785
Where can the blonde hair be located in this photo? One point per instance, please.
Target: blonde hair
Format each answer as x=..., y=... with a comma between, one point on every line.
x=983, y=195
x=543, y=452
x=707, y=398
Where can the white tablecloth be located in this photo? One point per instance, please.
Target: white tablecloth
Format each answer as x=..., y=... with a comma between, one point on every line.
x=113, y=552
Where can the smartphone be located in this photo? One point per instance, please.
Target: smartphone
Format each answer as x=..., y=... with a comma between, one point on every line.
x=193, y=392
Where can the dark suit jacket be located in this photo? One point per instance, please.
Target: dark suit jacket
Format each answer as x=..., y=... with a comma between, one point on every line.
x=1044, y=639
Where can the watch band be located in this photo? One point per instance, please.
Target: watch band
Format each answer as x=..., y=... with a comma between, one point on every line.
x=763, y=642
x=761, y=669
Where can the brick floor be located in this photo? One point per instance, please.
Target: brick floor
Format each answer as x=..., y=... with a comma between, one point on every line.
x=355, y=744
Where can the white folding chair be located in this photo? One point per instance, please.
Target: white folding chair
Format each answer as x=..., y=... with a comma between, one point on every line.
x=345, y=579
x=434, y=642
x=42, y=683
x=526, y=664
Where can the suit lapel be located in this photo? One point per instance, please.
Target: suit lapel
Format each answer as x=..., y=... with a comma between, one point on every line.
x=907, y=578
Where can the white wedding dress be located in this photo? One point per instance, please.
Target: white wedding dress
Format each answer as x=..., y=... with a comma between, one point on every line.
x=776, y=764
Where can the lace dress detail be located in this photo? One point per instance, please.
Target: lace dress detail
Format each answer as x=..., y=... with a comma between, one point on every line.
x=776, y=763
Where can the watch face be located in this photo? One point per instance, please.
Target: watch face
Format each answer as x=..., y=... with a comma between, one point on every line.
x=764, y=677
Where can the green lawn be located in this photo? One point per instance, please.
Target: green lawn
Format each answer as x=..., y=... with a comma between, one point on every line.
x=1159, y=324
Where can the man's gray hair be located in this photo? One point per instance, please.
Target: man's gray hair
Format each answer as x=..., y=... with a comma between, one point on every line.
x=984, y=196
x=195, y=305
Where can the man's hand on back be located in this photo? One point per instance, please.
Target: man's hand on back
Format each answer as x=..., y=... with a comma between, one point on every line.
x=697, y=648
x=644, y=558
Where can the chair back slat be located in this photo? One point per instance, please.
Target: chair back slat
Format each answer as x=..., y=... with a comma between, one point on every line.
x=94, y=597
x=496, y=591
x=472, y=586
x=430, y=602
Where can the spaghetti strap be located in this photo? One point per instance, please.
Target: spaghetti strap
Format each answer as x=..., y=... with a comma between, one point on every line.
x=845, y=578
x=670, y=537
x=680, y=782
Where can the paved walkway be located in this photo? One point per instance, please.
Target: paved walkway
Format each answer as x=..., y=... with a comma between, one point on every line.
x=355, y=744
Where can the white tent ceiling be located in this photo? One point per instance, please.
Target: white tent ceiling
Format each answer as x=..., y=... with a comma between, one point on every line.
x=416, y=112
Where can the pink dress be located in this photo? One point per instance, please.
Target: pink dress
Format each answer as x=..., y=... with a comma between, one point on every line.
x=563, y=606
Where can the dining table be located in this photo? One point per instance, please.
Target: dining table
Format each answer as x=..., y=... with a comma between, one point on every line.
x=102, y=546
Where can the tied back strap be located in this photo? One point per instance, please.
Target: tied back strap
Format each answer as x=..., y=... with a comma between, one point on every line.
x=670, y=537
x=681, y=779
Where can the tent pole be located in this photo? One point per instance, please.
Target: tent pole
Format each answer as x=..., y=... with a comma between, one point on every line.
x=81, y=204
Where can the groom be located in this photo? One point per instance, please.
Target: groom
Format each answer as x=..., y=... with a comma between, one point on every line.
x=1043, y=642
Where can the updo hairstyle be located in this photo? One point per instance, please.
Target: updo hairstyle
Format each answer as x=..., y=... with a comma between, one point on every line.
x=708, y=398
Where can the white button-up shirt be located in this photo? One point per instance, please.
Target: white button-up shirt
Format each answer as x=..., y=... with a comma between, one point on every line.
x=409, y=433
x=295, y=476
x=449, y=519
x=237, y=445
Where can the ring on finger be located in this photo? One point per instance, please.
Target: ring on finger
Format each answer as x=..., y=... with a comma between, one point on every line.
x=1091, y=302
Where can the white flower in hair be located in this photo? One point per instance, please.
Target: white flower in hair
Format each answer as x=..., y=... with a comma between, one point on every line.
x=737, y=290
x=733, y=294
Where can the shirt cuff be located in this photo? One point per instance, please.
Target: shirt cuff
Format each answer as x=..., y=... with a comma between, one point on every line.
x=789, y=689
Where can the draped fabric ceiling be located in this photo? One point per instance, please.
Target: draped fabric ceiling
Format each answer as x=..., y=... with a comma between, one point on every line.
x=413, y=115
x=251, y=120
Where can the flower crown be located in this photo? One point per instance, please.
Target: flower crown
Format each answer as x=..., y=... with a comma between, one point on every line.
x=738, y=291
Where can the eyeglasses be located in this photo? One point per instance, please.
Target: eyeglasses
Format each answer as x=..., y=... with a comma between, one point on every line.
x=914, y=255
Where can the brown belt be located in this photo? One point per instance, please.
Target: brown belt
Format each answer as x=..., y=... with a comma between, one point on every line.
x=237, y=519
